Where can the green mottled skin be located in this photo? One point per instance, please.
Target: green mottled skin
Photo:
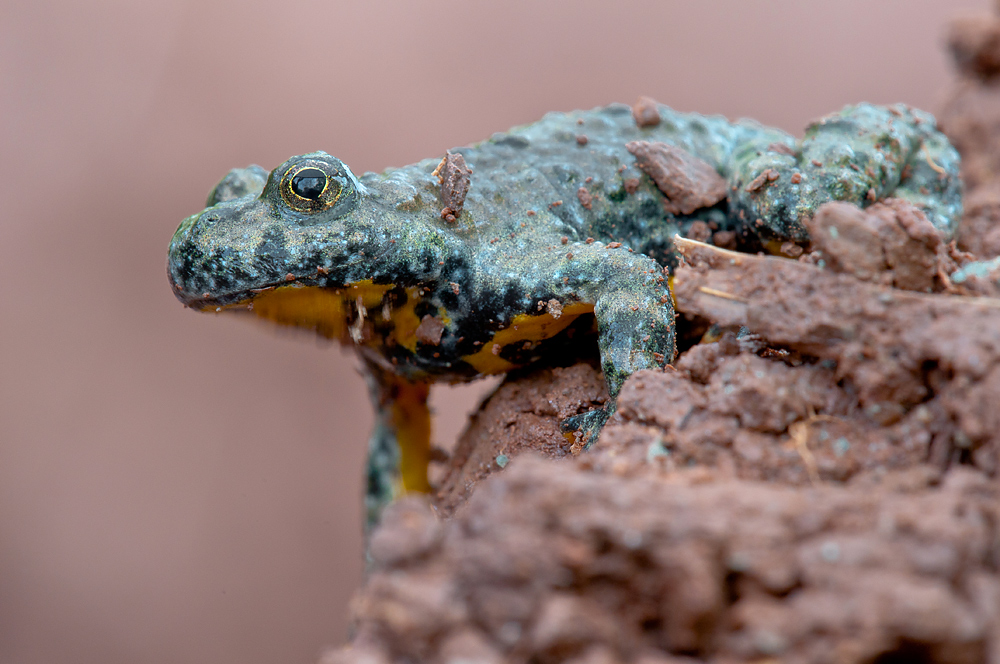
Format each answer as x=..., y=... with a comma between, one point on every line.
x=522, y=238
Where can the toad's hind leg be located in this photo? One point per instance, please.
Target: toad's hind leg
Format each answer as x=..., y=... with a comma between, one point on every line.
x=861, y=155
x=399, y=447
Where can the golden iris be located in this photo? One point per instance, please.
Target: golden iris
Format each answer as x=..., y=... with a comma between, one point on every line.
x=309, y=189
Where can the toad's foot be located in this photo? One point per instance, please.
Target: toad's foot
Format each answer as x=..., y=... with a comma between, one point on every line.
x=583, y=430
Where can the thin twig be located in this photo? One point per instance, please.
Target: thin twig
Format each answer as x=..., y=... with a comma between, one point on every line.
x=722, y=294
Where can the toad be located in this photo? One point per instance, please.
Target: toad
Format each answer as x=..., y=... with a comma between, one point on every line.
x=506, y=251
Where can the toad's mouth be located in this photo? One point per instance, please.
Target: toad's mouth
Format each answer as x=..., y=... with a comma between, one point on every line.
x=244, y=298
x=214, y=299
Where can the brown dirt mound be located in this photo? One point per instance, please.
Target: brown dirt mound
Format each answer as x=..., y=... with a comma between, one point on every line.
x=558, y=561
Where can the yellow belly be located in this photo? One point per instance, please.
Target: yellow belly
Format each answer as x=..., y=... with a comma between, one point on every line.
x=524, y=327
x=325, y=311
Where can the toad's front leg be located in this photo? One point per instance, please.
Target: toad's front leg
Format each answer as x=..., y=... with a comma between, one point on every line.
x=399, y=447
x=634, y=312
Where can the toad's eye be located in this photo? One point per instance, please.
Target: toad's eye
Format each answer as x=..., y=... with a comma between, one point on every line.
x=311, y=189
x=309, y=183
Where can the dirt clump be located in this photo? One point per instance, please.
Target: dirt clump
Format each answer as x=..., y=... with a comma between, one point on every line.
x=979, y=231
x=971, y=120
x=557, y=562
x=891, y=242
x=455, y=178
x=894, y=349
x=687, y=182
x=974, y=42
x=523, y=414
x=645, y=112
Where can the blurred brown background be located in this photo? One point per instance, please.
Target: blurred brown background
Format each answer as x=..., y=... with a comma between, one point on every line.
x=186, y=488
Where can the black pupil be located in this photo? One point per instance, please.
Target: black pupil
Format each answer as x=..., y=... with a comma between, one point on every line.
x=309, y=183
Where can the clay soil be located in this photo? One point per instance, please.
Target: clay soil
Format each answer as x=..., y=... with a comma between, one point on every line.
x=816, y=480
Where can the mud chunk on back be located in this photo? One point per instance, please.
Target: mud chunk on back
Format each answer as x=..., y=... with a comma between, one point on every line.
x=688, y=183
x=455, y=178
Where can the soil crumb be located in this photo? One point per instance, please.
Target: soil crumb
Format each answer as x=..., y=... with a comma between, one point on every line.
x=645, y=113
x=430, y=330
x=455, y=178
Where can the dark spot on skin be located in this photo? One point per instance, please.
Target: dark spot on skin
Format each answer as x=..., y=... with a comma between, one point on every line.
x=189, y=267
x=424, y=308
x=229, y=275
x=511, y=140
x=563, y=174
x=513, y=296
x=271, y=256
